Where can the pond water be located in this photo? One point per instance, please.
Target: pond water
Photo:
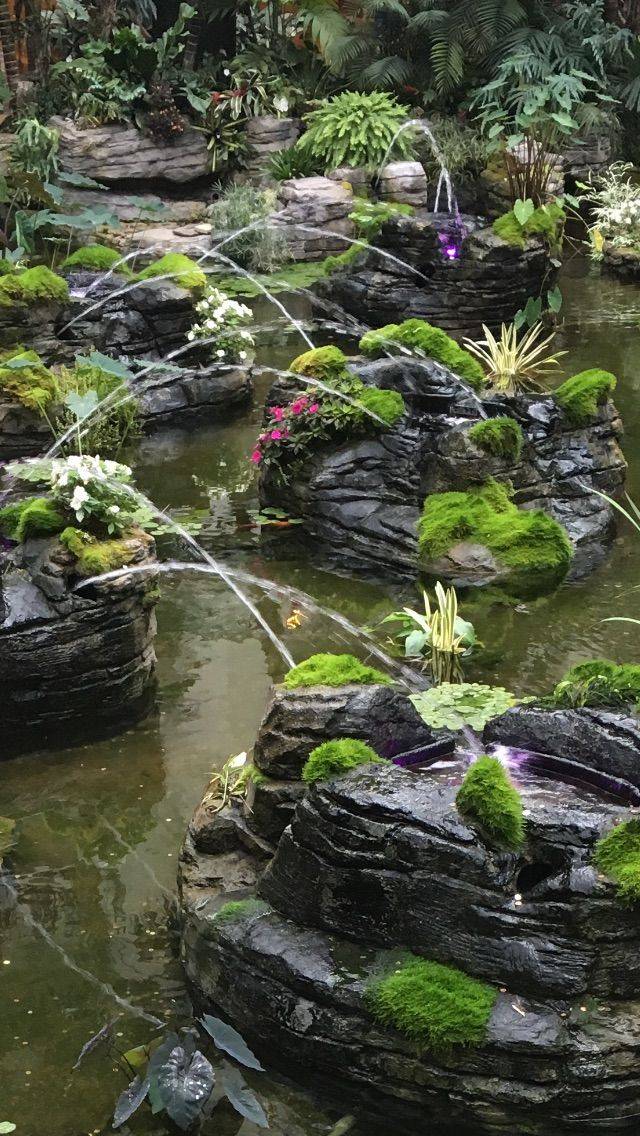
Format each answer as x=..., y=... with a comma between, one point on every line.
x=100, y=826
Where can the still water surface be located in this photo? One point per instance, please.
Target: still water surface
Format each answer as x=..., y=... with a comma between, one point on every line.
x=100, y=826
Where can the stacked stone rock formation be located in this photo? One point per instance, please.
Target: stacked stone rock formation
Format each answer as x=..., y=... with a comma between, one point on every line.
x=266, y=135
x=113, y=153
x=315, y=203
x=379, y=862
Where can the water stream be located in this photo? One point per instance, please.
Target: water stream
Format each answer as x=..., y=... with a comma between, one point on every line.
x=100, y=826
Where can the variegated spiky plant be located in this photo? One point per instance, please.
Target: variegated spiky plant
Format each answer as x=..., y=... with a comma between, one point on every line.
x=514, y=366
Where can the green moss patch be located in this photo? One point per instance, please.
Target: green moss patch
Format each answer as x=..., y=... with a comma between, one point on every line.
x=432, y=342
x=488, y=797
x=33, y=517
x=24, y=377
x=434, y=1005
x=333, y=670
x=33, y=285
x=531, y=544
x=95, y=557
x=501, y=437
x=328, y=364
x=618, y=856
x=96, y=258
x=386, y=404
x=582, y=394
x=599, y=682
x=332, y=759
x=238, y=909
x=546, y=222
x=182, y=270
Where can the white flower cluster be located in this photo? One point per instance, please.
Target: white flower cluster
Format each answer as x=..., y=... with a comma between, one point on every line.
x=91, y=487
x=220, y=323
x=616, y=206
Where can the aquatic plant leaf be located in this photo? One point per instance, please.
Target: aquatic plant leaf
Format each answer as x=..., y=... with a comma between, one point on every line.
x=109, y=366
x=229, y=1040
x=130, y=1100
x=137, y=1058
x=241, y=1096
x=184, y=1086
x=98, y=1038
x=523, y=210
x=453, y=705
x=80, y=181
x=81, y=405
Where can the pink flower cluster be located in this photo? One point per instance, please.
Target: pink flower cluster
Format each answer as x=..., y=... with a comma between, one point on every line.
x=280, y=427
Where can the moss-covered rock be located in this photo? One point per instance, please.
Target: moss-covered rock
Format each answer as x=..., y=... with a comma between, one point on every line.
x=532, y=547
x=35, y=516
x=333, y=758
x=582, y=394
x=488, y=798
x=182, y=269
x=546, y=222
x=24, y=377
x=618, y=856
x=32, y=285
x=426, y=340
x=328, y=364
x=599, y=682
x=95, y=557
x=237, y=909
x=386, y=404
x=435, y=1006
x=333, y=670
x=501, y=437
x=96, y=258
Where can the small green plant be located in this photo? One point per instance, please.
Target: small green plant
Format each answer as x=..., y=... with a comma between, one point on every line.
x=227, y=784
x=96, y=258
x=440, y=638
x=369, y=216
x=333, y=670
x=294, y=162
x=422, y=339
x=355, y=129
x=435, y=1006
x=454, y=705
x=618, y=856
x=599, y=682
x=533, y=548
x=24, y=377
x=86, y=489
x=34, y=149
x=614, y=205
x=501, y=437
x=180, y=268
x=488, y=797
x=524, y=221
x=264, y=246
x=582, y=395
x=334, y=758
x=512, y=366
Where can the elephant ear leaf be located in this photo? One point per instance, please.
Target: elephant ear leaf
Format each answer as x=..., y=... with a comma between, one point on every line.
x=130, y=1100
x=241, y=1097
x=229, y=1040
x=81, y=405
x=184, y=1085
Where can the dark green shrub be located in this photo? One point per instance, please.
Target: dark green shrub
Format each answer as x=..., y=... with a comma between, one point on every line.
x=332, y=759
x=356, y=129
x=426, y=340
x=294, y=162
x=488, y=798
x=582, y=394
x=333, y=670
x=501, y=437
x=434, y=1005
x=618, y=856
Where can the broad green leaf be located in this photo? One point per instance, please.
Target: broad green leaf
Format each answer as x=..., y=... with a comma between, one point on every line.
x=81, y=405
x=241, y=1096
x=230, y=1041
x=5, y=1127
x=79, y=181
x=184, y=1085
x=109, y=366
x=130, y=1100
x=523, y=210
x=554, y=299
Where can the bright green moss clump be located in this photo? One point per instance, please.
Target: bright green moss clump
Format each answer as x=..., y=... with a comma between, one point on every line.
x=531, y=544
x=487, y=797
x=35, y=516
x=184, y=271
x=547, y=222
x=599, y=682
x=328, y=364
x=95, y=557
x=501, y=437
x=332, y=759
x=333, y=670
x=24, y=377
x=33, y=285
x=618, y=856
x=237, y=909
x=432, y=342
x=436, y=1006
x=582, y=394
x=96, y=258
x=387, y=404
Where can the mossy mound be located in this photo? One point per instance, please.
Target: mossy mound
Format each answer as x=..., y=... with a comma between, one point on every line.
x=582, y=394
x=95, y=557
x=435, y=1006
x=333, y=670
x=426, y=340
x=237, y=909
x=24, y=377
x=33, y=517
x=328, y=364
x=386, y=404
x=488, y=797
x=599, y=682
x=183, y=271
x=618, y=856
x=501, y=437
x=547, y=222
x=332, y=759
x=33, y=285
x=531, y=545
x=96, y=258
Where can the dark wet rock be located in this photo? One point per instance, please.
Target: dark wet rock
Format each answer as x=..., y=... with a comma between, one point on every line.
x=360, y=501
x=488, y=283
x=623, y=263
x=72, y=664
x=113, y=152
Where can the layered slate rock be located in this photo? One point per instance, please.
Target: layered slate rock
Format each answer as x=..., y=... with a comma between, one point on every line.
x=404, y=182
x=623, y=263
x=267, y=135
x=72, y=664
x=379, y=862
x=360, y=501
x=487, y=282
x=114, y=152
x=320, y=205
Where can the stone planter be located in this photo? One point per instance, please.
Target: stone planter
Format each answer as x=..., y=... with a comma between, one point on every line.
x=360, y=501
x=72, y=664
x=320, y=204
x=379, y=862
x=266, y=135
x=114, y=153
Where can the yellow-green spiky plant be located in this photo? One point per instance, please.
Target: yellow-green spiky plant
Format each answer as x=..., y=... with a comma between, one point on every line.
x=513, y=366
